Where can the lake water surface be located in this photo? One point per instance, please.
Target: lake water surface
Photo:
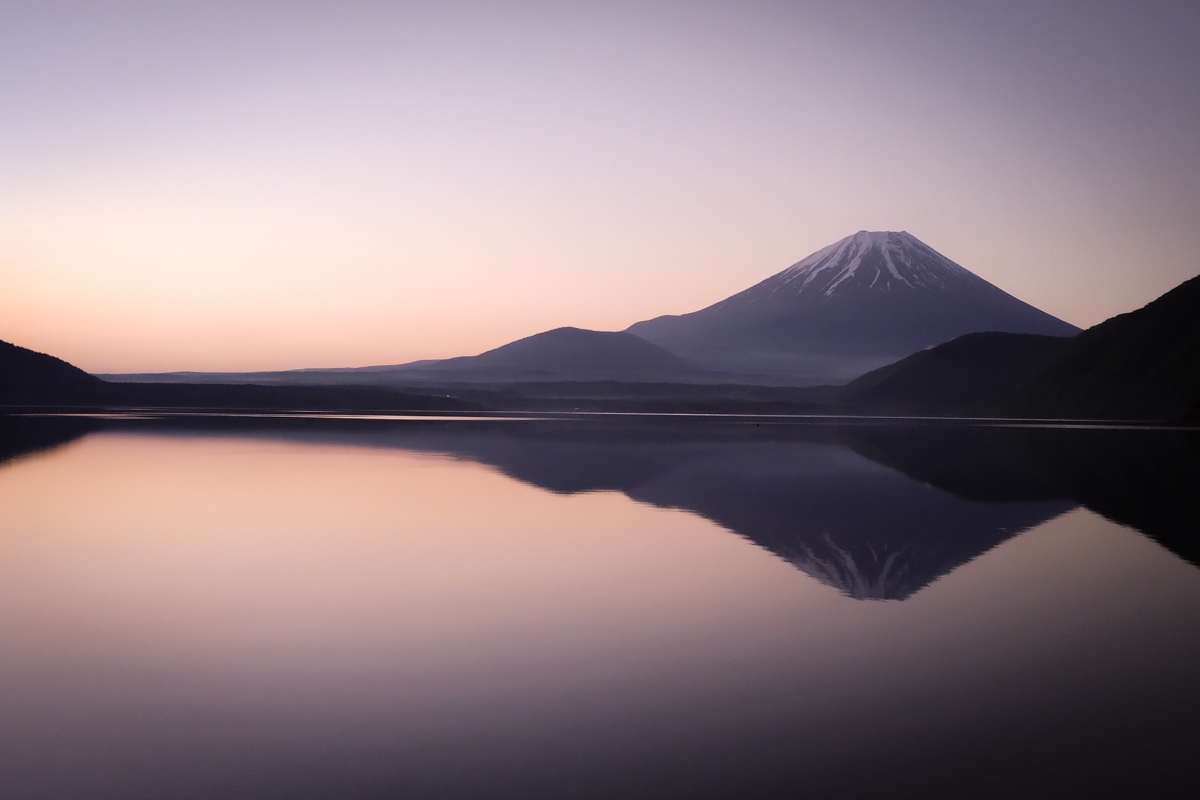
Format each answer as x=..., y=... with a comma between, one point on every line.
x=256, y=608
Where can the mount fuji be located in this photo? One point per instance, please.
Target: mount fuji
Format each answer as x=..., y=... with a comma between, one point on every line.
x=858, y=304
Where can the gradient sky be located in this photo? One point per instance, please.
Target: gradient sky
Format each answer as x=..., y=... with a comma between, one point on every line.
x=238, y=185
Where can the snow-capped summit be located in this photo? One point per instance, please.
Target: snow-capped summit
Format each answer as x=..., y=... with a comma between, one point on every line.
x=873, y=261
x=861, y=302
x=879, y=260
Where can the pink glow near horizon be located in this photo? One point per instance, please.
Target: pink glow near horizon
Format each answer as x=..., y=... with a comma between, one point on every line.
x=231, y=187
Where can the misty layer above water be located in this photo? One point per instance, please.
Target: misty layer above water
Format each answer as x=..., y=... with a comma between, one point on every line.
x=258, y=608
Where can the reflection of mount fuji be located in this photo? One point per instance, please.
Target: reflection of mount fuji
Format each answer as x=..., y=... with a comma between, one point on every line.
x=862, y=528
x=877, y=511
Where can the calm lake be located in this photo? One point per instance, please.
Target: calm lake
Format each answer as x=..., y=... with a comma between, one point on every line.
x=352, y=608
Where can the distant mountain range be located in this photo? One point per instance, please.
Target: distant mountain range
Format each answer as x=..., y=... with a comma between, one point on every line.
x=858, y=304
x=871, y=298
x=31, y=378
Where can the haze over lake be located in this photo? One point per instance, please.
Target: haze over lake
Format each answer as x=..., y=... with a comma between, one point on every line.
x=524, y=608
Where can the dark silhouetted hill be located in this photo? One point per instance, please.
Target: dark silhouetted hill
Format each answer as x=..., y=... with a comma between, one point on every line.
x=27, y=373
x=1140, y=365
x=1144, y=365
x=970, y=374
x=266, y=398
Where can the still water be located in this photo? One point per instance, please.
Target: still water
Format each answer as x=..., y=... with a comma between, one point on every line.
x=517, y=608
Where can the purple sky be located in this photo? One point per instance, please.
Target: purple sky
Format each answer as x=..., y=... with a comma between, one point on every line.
x=220, y=185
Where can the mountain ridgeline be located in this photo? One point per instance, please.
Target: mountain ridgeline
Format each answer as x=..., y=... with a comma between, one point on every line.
x=570, y=354
x=559, y=355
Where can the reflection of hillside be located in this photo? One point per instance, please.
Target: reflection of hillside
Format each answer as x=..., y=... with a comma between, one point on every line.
x=20, y=436
x=1145, y=479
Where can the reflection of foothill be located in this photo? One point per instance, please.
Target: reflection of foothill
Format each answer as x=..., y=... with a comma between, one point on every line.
x=1148, y=480
x=21, y=436
x=1144, y=479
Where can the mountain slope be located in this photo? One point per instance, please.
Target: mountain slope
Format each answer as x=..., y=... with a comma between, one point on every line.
x=970, y=374
x=561, y=354
x=1140, y=365
x=856, y=305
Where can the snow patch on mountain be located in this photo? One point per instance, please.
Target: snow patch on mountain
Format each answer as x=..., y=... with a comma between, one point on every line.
x=878, y=260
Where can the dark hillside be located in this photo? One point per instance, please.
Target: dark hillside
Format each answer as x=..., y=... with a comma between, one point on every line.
x=971, y=374
x=1140, y=365
x=267, y=398
x=22, y=368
